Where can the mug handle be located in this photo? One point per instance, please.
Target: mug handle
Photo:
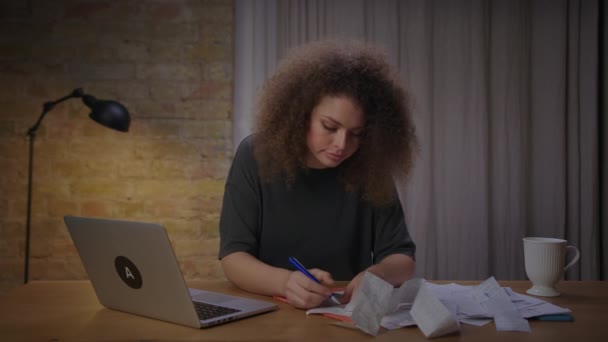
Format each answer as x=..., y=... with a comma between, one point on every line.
x=575, y=259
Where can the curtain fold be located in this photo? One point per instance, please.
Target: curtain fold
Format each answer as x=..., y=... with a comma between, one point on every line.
x=255, y=58
x=508, y=106
x=603, y=142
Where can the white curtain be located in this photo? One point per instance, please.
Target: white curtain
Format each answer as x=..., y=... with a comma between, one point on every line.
x=508, y=111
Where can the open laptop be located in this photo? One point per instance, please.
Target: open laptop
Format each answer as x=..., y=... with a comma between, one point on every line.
x=133, y=269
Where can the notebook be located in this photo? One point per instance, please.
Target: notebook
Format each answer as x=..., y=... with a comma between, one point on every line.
x=133, y=269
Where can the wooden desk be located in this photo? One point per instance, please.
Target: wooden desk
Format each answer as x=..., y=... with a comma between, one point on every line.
x=69, y=311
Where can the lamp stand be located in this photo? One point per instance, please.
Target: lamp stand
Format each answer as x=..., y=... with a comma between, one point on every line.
x=105, y=112
x=31, y=133
x=31, y=136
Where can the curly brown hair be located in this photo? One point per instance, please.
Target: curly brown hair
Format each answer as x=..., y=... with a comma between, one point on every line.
x=331, y=68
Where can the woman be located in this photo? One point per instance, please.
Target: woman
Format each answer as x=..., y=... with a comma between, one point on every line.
x=315, y=180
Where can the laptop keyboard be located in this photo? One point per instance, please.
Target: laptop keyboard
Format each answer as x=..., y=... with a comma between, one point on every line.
x=208, y=311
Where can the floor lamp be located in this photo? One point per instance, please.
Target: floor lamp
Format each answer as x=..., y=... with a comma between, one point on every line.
x=108, y=113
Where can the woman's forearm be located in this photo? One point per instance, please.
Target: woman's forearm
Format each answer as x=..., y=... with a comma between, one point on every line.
x=250, y=274
x=394, y=269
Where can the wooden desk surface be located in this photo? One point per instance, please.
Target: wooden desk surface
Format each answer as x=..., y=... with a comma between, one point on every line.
x=69, y=311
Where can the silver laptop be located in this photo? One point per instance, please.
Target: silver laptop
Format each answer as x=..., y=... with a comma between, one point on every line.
x=133, y=269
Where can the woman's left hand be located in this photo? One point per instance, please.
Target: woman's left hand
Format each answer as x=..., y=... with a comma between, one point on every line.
x=394, y=269
x=352, y=287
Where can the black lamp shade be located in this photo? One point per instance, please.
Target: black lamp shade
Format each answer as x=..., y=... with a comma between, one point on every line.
x=108, y=113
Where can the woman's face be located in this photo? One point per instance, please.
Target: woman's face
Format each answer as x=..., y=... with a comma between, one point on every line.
x=336, y=124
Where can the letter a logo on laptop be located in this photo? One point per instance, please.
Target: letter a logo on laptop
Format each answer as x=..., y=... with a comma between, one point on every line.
x=128, y=272
x=133, y=269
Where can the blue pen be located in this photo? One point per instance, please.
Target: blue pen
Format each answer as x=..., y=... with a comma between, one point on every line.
x=303, y=269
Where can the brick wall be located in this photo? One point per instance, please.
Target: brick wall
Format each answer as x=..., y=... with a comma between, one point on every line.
x=170, y=63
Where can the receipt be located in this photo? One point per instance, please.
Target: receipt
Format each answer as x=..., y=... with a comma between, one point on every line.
x=497, y=303
x=438, y=309
x=431, y=316
x=373, y=302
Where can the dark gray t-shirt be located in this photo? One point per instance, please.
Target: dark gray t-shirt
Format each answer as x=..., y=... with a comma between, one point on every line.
x=314, y=220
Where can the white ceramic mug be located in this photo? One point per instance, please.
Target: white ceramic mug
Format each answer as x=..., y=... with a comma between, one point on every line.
x=545, y=259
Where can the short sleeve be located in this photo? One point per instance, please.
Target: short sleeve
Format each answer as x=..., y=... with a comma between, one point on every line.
x=239, y=218
x=391, y=235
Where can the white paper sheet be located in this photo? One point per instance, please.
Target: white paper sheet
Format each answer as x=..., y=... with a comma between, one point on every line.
x=438, y=309
x=398, y=319
x=493, y=298
x=532, y=307
x=373, y=303
x=432, y=317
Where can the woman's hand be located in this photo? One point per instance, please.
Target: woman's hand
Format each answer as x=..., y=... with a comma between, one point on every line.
x=394, y=269
x=304, y=293
x=352, y=287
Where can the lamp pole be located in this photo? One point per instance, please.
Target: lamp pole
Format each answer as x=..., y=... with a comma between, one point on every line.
x=32, y=135
x=108, y=113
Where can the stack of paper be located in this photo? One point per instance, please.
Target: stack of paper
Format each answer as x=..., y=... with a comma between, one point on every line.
x=438, y=309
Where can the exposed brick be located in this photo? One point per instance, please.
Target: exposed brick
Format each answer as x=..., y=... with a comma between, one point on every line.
x=211, y=90
x=3, y=208
x=211, y=226
x=100, y=10
x=212, y=109
x=158, y=128
x=215, y=33
x=43, y=229
x=28, y=30
x=7, y=129
x=166, y=169
x=171, y=91
x=169, y=71
x=100, y=188
x=60, y=207
x=210, y=168
x=217, y=13
x=95, y=208
x=167, y=149
x=182, y=32
x=11, y=272
x=86, y=10
x=179, y=229
x=208, y=52
x=167, y=11
x=217, y=71
x=195, y=247
x=118, y=148
x=192, y=109
x=102, y=71
x=20, y=110
x=93, y=129
x=49, y=149
x=92, y=168
x=65, y=268
x=17, y=206
x=12, y=185
x=15, y=148
x=14, y=9
x=117, y=91
x=117, y=50
x=11, y=247
x=218, y=129
x=170, y=64
x=14, y=51
x=196, y=267
x=132, y=210
x=64, y=128
x=178, y=188
x=9, y=89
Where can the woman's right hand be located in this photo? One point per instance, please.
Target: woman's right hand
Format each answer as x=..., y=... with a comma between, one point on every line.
x=304, y=293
